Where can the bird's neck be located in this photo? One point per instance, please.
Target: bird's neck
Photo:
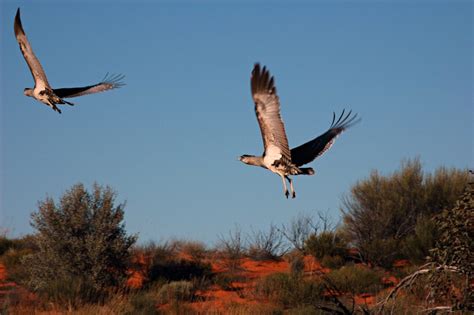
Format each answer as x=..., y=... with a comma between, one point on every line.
x=255, y=160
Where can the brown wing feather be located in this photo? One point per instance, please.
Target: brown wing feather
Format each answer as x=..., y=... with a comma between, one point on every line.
x=33, y=63
x=267, y=109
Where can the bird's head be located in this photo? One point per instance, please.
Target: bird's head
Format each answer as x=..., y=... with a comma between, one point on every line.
x=245, y=158
x=28, y=92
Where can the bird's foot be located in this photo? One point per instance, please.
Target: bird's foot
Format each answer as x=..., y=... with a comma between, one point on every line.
x=287, y=193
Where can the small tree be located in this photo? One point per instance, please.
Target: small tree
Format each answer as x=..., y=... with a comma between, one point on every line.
x=382, y=211
x=82, y=244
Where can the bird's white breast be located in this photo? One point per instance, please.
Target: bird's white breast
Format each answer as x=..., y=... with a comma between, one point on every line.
x=272, y=154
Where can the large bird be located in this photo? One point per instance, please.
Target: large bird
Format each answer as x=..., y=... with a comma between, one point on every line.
x=42, y=90
x=277, y=156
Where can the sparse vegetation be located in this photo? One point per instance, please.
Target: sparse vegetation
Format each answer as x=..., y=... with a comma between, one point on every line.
x=289, y=290
x=232, y=248
x=267, y=245
x=176, y=291
x=69, y=265
x=356, y=279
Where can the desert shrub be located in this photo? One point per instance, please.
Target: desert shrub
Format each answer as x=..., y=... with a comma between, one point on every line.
x=13, y=253
x=356, y=279
x=232, y=248
x=23, y=243
x=288, y=290
x=333, y=262
x=383, y=210
x=298, y=230
x=83, y=249
x=234, y=308
x=416, y=247
x=225, y=280
x=13, y=260
x=156, y=251
x=455, y=248
x=326, y=243
x=71, y=292
x=142, y=302
x=176, y=291
x=296, y=260
x=182, y=269
x=196, y=250
x=266, y=245
x=306, y=310
x=5, y=244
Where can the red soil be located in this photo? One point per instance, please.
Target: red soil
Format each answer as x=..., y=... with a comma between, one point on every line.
x=401, y=263
x=216, y=298
x=3, y=272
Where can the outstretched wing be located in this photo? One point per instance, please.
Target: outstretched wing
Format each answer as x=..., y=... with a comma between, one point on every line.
x=33, y=63
x=309, y=151
x=267, y=109
x=108, y=83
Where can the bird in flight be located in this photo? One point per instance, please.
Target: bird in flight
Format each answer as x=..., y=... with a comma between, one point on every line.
x=42, y=90
x=277, y=156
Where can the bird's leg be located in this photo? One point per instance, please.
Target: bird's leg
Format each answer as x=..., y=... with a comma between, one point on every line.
x=285, y=190
x=293, y=194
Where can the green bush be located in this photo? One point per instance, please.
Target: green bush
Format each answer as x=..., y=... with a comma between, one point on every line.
x=176, y=291
x=81, y=243
x=5, y=244
x=306, y=310
x=142, y=303
x=356, y=279
x=333, y=262
x=327, y=243
x=383, y=210
x=289, y=291
x=13, y=259
x=174, y=270
x=384, y=252
x=296, y=261
x=416, y=247
x=196, y=250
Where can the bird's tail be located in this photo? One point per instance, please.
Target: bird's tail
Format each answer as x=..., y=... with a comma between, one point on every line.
x=306, y=171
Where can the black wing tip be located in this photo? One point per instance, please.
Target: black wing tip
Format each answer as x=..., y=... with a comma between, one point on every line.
x=344, y=121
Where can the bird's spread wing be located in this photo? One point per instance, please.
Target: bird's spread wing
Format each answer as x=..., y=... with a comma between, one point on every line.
x=108, y=83
x=267, y=109
x=33, y=63
x=307, y=152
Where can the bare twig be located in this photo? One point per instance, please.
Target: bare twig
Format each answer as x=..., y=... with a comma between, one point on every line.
x=410, y=279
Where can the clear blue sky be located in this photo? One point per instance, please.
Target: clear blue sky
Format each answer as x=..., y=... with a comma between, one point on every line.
x=168, y=141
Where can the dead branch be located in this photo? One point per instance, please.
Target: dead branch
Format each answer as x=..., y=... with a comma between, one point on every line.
x=410, y=279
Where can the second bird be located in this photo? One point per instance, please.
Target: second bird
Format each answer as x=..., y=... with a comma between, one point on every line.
x=277, y=156
x=42, y=90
